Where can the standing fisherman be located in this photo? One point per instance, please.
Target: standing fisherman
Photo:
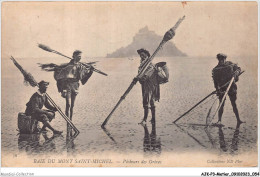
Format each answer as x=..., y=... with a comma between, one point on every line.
x=222, y=74
x=150, y=85
x=167, y=36
x=68, y=77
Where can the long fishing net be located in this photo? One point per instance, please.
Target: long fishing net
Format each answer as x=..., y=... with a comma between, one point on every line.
x=203, y=114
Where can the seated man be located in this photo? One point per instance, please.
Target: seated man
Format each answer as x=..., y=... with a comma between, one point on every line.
x=34, y=107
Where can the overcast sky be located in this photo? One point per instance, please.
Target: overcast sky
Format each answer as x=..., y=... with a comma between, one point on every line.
x=98, y=28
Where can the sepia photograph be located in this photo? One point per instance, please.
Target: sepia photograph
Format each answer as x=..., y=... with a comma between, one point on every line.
x=129, y=84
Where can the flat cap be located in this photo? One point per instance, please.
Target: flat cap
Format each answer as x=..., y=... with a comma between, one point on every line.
x=221, y=55
x=43, y=83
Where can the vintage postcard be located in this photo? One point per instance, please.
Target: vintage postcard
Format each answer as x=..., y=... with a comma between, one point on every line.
x=129, y=84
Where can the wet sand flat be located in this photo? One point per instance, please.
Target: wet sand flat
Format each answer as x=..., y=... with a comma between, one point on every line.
x=190, y=81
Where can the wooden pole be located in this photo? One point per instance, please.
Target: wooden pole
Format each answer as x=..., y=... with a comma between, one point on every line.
x=194, y=106
x=167, y=36
x=63, y=115
x=204, y=99
x=29, y=78
x=223, y=99
x=48, y=49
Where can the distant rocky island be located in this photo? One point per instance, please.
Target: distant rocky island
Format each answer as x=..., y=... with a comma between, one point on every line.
x=149, y=40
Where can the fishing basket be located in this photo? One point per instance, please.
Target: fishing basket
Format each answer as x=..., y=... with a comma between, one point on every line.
x=163, y=72
x=26, y=124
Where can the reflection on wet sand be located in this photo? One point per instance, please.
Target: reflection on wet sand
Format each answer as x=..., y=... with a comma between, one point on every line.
x=217, y=139
x=235, y=139
x=222, y=141
x=109, y=134
x=195, y=139
x=70, y=142
x=210, y=137
x=43, y=143
x=223, y=145
x=37, y=143
x=151, y=142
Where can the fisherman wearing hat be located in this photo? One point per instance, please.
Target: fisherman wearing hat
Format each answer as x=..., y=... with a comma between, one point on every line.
x=150, y=85
x=221, y=75
x=35, y=105
x=68, y=78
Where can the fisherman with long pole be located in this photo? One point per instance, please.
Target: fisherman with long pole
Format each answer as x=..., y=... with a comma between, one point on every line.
x=35, y=105
x=167, y=36
x=68, y=76
x=68, y=79
x=223, y=72
x=28, y=78
x=226, y=85
x=150, y=85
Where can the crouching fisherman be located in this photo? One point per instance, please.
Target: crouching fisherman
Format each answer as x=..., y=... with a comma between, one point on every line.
x=35, y=105
x=150, y=83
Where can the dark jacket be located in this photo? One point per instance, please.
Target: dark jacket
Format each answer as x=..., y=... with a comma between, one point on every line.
x=71, y=72
x=222, y=74
x=36, y=103
x=150, y=84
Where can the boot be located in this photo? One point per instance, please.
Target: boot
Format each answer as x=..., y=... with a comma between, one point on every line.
x=145, y=116
x=153, y=114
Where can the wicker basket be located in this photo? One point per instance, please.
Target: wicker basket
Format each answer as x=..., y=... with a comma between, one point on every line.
x=163, y=72
x=26, y=124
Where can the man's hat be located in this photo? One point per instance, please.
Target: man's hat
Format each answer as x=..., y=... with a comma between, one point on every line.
x=221, y=55
x=76, y=52
x=43, y=83
x=143, y=50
